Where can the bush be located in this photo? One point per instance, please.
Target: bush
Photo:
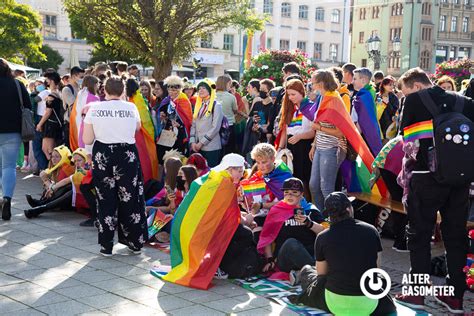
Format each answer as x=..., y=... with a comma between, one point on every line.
x=456, y=69
x=268, y=64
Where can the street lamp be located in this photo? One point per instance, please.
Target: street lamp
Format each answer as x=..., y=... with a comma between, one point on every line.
x=373, y=50
x=396, y=45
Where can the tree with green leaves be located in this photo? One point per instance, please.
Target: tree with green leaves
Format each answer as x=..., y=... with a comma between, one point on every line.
x=53, y=59
x=20, y=37
x=159, y=32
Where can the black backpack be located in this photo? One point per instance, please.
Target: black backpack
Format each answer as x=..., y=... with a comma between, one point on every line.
x=451, y=159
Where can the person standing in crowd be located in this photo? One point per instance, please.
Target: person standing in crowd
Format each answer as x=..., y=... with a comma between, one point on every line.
x=447, y=83
x=39, y=99
x=387, y=105
x=296, y=133
x=12, y=95
x=426, y=196
x=207, y=121
x=51, y=122
x=121, y=69
x=364, y=113
x=190, y=92
x=241, y=117
x=145, y=89
x=342, y=89
x=229, y=108
x=348, y=77
x=329, y=147
x=68, y=95
x=111, y=126
x=334, y=285
x=134, y=72
x=378, y=77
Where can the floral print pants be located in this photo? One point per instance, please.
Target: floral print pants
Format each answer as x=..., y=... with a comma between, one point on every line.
x=119, y=191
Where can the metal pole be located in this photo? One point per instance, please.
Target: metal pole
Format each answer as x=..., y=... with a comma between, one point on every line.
x=240, y=50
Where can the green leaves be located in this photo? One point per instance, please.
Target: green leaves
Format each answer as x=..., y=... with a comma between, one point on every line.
x=53, y=59
x=19, y=32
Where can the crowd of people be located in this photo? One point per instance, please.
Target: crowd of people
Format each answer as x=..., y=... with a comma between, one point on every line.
x=113, y=147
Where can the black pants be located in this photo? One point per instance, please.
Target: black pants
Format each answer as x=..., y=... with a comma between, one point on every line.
x=88, y=191
x=119, y=187
x=313, y=295
x=66, y=133
x=425, y=198
x=293, y=255
x=230, y=147
x=61, y=199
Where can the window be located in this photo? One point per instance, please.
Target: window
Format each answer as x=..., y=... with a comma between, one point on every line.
x=319, y=14
x=467, y=2
x=335, y=16
x=456, y=1
x=362, y=13
x=206, y=42
x=333, y=52
x=361, y=38
x=284, y=44
x=442, y=23
x=301, y=45
x=318, y=51
x=286, y=10
x=454, y=24
x=49, y=26
x=465, y=24
x=268, y=6
x=425, y=60
x=426, y=34
x=229, y=42
x=397, y=9
x=394, y=62
x=269, y=43
x=364, y=63
x=395, y=32
x=426, y=8
x=303, y=12
x=375, y=12
x=252, y=4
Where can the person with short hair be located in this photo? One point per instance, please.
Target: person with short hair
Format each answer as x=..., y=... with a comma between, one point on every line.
x=111, y=126
x=378, y=77
x=334, y=285
x=68, y=95
x=424, y=196
x=134, y=72
x=121, y=68
x=229, y=107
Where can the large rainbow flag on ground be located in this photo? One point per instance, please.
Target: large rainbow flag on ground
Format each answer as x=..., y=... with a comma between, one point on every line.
x=145, y=139
x=331, y=109
x=202, y=228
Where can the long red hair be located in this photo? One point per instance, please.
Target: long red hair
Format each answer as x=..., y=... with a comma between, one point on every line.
x=288, y=108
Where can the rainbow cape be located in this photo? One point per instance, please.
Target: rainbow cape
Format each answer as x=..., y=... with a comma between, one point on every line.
x=145, y=139
x=332, y=110
x=364, y=104
x=202, y=228
x=275, y=219
x=274, y=180
x=75, y=119
x=418, y=130
x=183, y=109
x=253, y=187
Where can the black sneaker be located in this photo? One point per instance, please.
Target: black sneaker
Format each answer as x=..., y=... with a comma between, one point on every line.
x=87, y=223
x=400, y=246
x=31, y=214
x=106, y=252
x=33, y=202
x=6, y=209
x=134, y=250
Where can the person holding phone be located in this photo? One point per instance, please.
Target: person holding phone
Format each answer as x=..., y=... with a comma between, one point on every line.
x=292, y=230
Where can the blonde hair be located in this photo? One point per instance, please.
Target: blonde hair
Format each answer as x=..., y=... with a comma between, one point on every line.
x=174, y=81
x=327, y=78
x=447, y=79
x=263, y=150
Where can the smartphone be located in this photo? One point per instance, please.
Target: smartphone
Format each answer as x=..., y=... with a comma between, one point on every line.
x=168, y=189
x=299, y=211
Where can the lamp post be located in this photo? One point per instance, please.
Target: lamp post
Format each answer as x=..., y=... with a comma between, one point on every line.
x=373, y=50
x=396, y=46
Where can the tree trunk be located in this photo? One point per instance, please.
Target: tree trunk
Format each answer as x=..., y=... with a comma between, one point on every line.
x=162, y=68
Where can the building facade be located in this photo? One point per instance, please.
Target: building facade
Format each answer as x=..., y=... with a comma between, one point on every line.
x=414, y=23
x=57, y=34
x=319, y=28
x=455, y=30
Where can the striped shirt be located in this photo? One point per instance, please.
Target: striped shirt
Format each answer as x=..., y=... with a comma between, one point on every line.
x=326, y=141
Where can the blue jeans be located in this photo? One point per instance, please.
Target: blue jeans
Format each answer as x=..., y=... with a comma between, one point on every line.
x=38, y=151
x=326, y=162
x=9, y=150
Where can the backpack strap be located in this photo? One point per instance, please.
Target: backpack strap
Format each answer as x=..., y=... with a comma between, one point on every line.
x=20, y=95
x=428, y=102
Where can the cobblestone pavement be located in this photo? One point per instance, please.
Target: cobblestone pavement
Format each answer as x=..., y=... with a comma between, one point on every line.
x=50, y=265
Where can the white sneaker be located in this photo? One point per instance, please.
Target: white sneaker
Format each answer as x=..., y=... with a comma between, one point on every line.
x=220, y=275
x=294, y=277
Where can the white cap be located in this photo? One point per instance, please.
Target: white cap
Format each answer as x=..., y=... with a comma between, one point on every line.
x=230, y=160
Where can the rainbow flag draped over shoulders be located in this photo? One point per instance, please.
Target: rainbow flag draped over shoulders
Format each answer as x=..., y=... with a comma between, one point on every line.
x=145, y=139
x=202, y=228
x=332, y=110
x=418, y=130
x=83, y=98
x=184, y=110
x=364, y=105
x=274, y=180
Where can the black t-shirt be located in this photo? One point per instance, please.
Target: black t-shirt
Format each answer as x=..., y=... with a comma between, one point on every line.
x=55, y=105
x=414, y=112
x=350, y=248
x=10, y=109
x=264, y=111
x=293, y=229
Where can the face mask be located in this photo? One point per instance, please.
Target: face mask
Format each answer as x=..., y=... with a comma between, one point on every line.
x=40, y=88
x=180, y=183
x=263, y=95
x=79, y=81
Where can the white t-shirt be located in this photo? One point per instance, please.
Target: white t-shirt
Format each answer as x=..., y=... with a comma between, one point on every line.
x=42, y=104
x=113, y=121
x=299, y=124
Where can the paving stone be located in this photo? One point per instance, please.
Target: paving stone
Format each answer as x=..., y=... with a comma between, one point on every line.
x=197, y=310
x=26, y=312
x=166, y=303
x=65, y=308
x=133, y=309
x=39, y=298
x=104, y=300
x=139, y=293
x=79, y=291
x=7, y=279
x=93, y=276
x=24, y=287
x=115, y=284
x=8, y=305
x=229, y=305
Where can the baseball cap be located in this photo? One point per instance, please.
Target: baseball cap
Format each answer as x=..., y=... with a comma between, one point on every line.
x=230, y=160
x=293, y=184
x=336, y=203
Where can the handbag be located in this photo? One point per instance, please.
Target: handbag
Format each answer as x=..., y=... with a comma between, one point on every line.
x=167, y=138
x=27, y=124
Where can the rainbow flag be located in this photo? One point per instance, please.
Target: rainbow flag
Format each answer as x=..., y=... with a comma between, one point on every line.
x=251, y=188
x=418, y=130
x=246, y=52
x=275, y=179
x=202, y=228
x=297, y=120
x=156, y=220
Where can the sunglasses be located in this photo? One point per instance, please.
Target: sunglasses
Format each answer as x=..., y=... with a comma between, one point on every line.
x=174, y=87
x=292, y=193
